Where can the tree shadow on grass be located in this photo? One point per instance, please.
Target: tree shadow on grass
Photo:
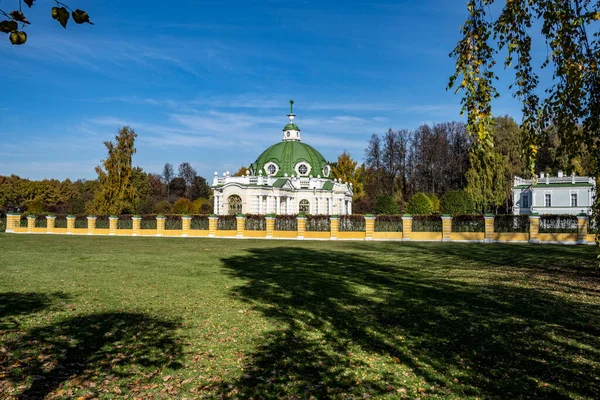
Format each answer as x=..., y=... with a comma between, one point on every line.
x=91, y=351
x=15, y=304
x=486, y=339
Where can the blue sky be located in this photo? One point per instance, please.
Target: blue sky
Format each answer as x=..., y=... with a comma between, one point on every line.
x=208, y=82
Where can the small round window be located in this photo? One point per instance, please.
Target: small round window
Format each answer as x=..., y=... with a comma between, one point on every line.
x=303, y=169
x=271, y=169
x=326, y=170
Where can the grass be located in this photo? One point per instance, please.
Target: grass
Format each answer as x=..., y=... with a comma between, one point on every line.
x=115, y=317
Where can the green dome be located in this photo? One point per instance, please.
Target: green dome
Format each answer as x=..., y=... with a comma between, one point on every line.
x=287, y=155
x=291, y=127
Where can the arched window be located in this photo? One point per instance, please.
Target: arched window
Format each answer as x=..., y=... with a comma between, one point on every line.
x=304, y=206
x=235, y=204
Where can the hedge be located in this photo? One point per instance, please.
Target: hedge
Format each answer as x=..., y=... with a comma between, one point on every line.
x=173, y=222
x=256, y=222
x=60, y=221
x=352, y=223
x=286, y=223
x=427, y=223
x=148, y=222
x=199, y=222
x=102, y=222
x=124, y=222
x=550, y=223
x=388, y=223
x=468, y=223
x=318, y=223
x=511, y=223
x=227, y=223
x=81, y=222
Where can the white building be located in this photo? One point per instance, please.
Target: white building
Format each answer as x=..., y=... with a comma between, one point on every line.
x=287, y=178
x=554, y=194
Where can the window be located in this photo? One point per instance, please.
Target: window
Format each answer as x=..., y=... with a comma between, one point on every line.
x=304, y=206
x=548, y=200
x=573, y=199
x=235, y=204
x=271, y=169
x=303, y=169
x=525, y=201
x=326, y=171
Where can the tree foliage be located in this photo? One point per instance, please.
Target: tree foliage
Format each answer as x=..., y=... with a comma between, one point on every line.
x=419, y=204
x=117, y=192
x=572, y=99
x=456, y=202
x=386, y=205
x=346, y=169
x=61, y=13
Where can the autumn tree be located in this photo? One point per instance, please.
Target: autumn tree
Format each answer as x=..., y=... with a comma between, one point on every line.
x=241, y=172
x=16, y=20
x=116, y=192
x=346, y=169
x=571, y=102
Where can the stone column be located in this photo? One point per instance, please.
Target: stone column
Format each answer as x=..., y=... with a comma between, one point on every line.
x=369, y=226
x=446, y=227
x=91, y=224
x=260, y=204
x=186, y=222
x=278, y=207
x=50, y=223
x=534, y=228
x=301, y=226
x=70, y=224
x=136, y=221
x=160, y=225
x=216, y=203
x=270, y=222
x=30, y=223
x=335, y=227
x=112, y=225
x=288, y=207
x=212, y=225
x=330, y=205
x=582, y=228
x=241, y=226
x=406, y=227
x=489, y=228
x=350, y=207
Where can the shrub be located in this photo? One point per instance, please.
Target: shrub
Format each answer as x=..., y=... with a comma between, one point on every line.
x=426, y=223
x=102, y=222
x=511, y=223
x=420, y=203
x=456, y=202
x=363, y=205
x=148, y=222
x=81, y=222
x=435, y=203
x=163, y=207
x=202, y=206
x=182, y=206
x=60, y=221
x=173, y=222
x=386, y=205
x=468, y=223
x=199, y=222
x=286, y=223
x=124, y=222
x=352, y=223
x=388, y=223
x=41, y=221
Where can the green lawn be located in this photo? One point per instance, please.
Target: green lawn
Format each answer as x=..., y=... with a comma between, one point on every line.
x=187, y=318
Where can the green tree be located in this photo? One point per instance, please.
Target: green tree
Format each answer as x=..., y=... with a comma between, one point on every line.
x=420, y=203
x=385, y=204
x=572, y=99
x=456, y=202
x=116, y=192
x=486, y=185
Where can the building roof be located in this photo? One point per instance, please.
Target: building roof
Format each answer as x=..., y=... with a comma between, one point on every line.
x=286, y=155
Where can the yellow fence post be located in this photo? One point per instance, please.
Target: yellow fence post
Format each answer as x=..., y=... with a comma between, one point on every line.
x=369, y=226
x=446, y=227
x=112, y=225
x=334, y=227
x=406, y=227
x=160, y=225
x=70, y=224
x=489, y=228
x=136, y=222
x=534, y=228
x=91, y=224
x=50, y=223
x=582, y=228
x=186, y=223
x=12, y=221
x=240, y=220
x=212, y=225
x=30, y=223
x=301, y=226
x=270, y=225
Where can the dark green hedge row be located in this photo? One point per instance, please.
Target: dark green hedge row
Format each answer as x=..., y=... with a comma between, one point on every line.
x=352, y=223
x=318, y=223
x=388, y=223
x=511, y=223
x=468, y=223
x=427, y=223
